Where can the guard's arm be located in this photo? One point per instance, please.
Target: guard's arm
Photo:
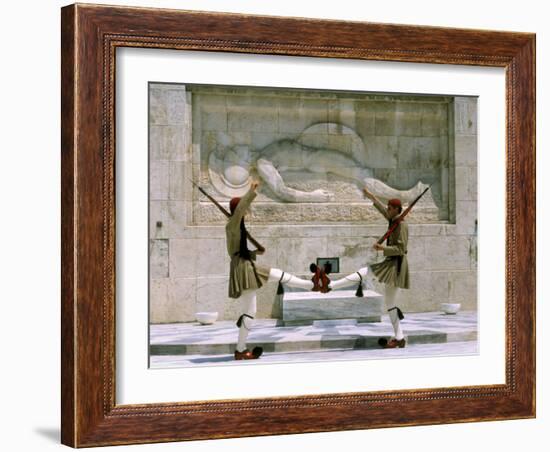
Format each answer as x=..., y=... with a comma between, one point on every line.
x=241, y=209
x=380, y=207
x=376, y=202
x=244, y=204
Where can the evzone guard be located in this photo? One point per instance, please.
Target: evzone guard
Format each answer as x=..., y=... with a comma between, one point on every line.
x=246, y=277
x=393, y=271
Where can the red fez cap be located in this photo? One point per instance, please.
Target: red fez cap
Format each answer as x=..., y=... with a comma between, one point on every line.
x=233, y=204
x=395, y=202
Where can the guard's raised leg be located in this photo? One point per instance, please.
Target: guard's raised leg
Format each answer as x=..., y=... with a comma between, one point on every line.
x=350, y=280
x=289, y=279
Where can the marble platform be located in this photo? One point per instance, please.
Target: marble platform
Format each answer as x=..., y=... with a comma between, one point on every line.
x=304, y=308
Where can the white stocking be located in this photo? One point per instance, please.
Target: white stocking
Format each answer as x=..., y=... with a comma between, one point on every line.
x=248, y=306
x=391, y=294
x=290, y=280
x=349, y=280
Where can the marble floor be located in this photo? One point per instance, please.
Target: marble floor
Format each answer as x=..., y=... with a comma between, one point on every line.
x=411, y=351
x=428, y=334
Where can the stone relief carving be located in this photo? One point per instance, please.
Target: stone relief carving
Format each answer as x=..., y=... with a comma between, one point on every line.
x=231, y=170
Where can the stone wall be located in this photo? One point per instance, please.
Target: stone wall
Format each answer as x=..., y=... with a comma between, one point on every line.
x=197, y=132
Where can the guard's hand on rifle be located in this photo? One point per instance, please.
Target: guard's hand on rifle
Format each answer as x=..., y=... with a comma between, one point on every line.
x=260, y=251
x=255, y=184
x=378, y=247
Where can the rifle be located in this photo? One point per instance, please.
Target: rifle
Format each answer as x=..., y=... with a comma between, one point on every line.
x=401, y=217
x=227, y=214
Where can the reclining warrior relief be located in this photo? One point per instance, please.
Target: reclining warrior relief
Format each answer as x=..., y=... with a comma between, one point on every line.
x=231, y=176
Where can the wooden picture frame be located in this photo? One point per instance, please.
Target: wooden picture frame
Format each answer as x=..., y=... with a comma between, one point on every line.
x=90, y=36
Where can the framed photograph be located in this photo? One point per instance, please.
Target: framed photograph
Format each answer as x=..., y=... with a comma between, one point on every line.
x=281, y=225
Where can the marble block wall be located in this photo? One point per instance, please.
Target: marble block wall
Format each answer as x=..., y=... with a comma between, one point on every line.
x=402, y=139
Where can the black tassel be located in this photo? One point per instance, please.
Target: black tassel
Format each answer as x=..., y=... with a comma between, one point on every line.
x=241, y=319
x=400, y=314
x=280, y=288
x=359, y=291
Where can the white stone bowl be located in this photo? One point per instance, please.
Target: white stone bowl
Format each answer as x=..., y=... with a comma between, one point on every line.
x=450, y=308
x=206, y=318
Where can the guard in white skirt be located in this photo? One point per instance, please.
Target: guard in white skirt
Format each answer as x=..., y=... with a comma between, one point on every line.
x=393, y=271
